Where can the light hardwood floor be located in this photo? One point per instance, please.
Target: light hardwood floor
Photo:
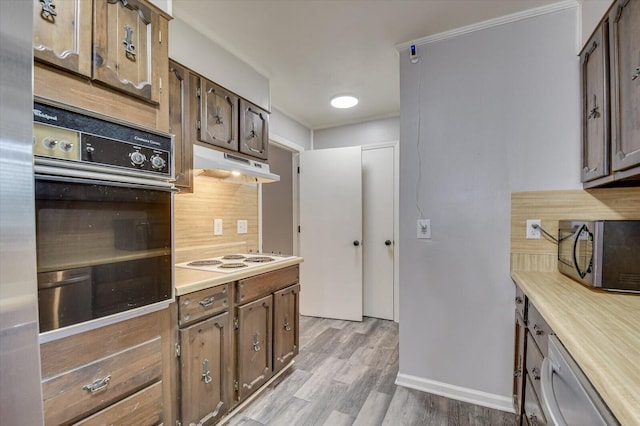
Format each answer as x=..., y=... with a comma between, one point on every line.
x=344, y=375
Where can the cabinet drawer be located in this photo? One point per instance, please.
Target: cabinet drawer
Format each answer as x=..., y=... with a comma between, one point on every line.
x=521, y=304
x=72, y=394
x=204, y=303
x=141, y=408
x=532, y=409
x=534, y=364
x=259, y=286
x=538, y=328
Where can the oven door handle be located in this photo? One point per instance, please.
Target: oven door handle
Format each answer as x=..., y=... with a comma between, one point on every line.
x=549, y=403
x=104, y=179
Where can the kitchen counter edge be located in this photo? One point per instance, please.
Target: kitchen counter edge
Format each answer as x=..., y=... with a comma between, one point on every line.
x=600, y=329
x=190, y=280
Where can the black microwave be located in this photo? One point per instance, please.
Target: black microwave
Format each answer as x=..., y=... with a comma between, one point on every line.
x=601, y=253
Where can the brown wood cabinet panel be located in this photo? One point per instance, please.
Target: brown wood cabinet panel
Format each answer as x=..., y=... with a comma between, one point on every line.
x=538, y=328
x=532, y=409
x=179, y=112
x=206, y=370
x=251, y=288
x=534, y=364
x=595, y=106
x=254, y=345
x=60, y=29
x=141, y=408
x=519, y=366
x=624, y=33
x=202, y=304
x=79, y=391
x=218, y=116
x=127, y=37
x=286, y=327
x=254, y=130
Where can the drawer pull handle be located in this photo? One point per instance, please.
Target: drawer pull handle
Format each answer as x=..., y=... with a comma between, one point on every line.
x=287, y=327
x=519, y=300
x=98, y=385
x=539, y=331
x=205, y=303
x=533, y=420
x=206, y=374
x=636, y=73
x=517, y=373
x=256, y=343
x=535, y=371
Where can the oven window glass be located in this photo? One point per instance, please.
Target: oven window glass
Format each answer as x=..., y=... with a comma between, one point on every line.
x=102, y=249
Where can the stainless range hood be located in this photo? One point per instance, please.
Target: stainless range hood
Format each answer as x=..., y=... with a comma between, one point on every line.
x=229, y=167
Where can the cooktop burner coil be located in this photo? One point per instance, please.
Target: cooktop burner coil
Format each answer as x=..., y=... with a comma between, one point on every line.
x=233, y=265
x=205, y=262
x=233, y=257
x=259, y=259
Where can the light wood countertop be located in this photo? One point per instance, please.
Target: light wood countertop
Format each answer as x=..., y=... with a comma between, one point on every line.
x=190, y=280
x=601, y=330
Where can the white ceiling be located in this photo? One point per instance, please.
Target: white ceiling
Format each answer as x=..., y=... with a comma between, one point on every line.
x=312, y=50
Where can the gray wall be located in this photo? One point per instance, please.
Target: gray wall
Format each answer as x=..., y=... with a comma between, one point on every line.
x=367, y=133
x=282, y=126
x=277, y=204
x=497, y=111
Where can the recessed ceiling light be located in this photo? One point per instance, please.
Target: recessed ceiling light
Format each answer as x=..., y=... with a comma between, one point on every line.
x=344, y=101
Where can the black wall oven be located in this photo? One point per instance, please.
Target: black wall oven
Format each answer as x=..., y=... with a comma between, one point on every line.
x=104, y=206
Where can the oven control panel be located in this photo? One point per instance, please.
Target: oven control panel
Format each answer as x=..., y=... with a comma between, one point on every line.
x=79, y=138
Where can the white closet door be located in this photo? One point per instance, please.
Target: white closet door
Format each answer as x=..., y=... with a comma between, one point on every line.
x=331, y=233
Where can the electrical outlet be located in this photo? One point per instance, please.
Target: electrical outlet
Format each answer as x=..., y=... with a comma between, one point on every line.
x=533, y=233
x=242, y=227
x=424, y=228
x=217, y=227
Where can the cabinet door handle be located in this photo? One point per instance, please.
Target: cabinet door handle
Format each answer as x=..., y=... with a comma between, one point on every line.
x=636, y=74
x=129, y=48
x=594, y=113
x=98, y=385
x=517, y=373
x=206, y=374
x=535, y=371
x=48, y=10
x=539, y=331
x=205, y=303
x=287, y=327
x=519, y=300
x=256, y=343
x=533, y=420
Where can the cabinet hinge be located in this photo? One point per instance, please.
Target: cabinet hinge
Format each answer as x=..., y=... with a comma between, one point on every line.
x=178, y=423
x=198, y=92
x=236, y=324
x=198, y=124
x=236, y=387
x=177, y=350
x=299, y=229
x=298, y=169
x=160, y=85
x=160, y=37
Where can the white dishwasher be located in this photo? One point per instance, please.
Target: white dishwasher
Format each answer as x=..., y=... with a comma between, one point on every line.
x=568, y=398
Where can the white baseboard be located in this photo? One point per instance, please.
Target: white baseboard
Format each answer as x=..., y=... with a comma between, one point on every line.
x=472, y=396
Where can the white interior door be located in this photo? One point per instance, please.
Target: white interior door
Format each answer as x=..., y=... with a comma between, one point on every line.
x=331, y=233
x=378, y=241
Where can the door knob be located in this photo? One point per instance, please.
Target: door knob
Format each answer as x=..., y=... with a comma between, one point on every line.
x=387, y=243
x=356, y=243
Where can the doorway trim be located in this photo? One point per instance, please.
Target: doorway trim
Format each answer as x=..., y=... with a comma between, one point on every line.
x=396, y=225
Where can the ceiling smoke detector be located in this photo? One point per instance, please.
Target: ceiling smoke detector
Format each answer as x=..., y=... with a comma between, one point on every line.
x=344, y=102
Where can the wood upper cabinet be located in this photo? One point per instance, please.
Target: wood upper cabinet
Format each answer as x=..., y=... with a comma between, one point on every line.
x=254, y=345
x=254, y=130
x=61, y=31
x=286, y=327
x=595, y=106
x=179, y=118
x=205, y=366
x=218, y=115
x=624, y=36
x=127, y=37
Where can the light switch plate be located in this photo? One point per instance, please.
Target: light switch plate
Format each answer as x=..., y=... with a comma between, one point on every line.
x=242, y=227
x=424, y=228
x=217, y=227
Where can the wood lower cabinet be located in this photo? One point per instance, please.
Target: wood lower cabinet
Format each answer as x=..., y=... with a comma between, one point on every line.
x=519, y=366
x=116, y=374
x=254, y=345
x=205, y=360
x=286, y=326
x=205, y=354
